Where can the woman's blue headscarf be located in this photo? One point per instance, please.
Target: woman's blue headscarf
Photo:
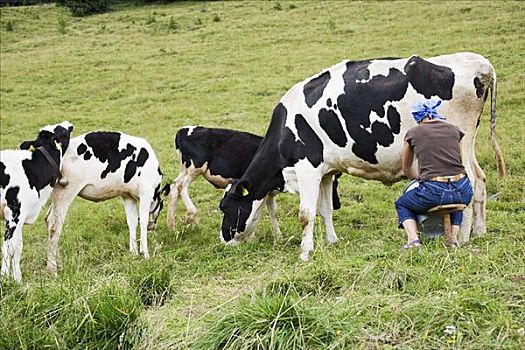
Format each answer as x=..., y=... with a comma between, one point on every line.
x=425, y=108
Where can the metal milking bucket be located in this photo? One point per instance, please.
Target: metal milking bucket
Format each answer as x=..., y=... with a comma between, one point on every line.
x=429, y=225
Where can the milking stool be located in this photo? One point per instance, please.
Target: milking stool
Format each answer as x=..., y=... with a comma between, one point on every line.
x=444, y=211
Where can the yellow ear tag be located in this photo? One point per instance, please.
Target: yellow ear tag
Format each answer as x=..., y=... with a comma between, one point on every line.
x=32, y=148
x=245, y=192
x=58, y=146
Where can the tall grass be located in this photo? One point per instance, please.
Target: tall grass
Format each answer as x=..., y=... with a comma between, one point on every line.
x=148, y=70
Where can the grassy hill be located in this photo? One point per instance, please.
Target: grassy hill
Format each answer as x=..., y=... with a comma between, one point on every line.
x=148, y=70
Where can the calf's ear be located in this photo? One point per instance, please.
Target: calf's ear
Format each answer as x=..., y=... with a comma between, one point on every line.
x=27, y=145
x=57, y=143
x=165, y=190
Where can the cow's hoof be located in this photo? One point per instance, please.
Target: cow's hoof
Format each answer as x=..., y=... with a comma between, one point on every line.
x=453, y=243
x=51, y=271
x=478, y=231
x=190, y=218
x=304, y=256
x=332, y=240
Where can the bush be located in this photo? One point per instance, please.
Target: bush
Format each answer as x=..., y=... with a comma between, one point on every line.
x=23, y=2
x=81, y=8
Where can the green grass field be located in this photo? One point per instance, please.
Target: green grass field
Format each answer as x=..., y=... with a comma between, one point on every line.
x=148, y=70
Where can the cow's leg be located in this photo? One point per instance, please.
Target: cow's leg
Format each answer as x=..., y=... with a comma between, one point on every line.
x=17, y=244
x=12, y=245
x=326, y=207
x=6, y=256
x=309, y=180
x=173, y=197
x=466, y=224
x=61, y=199
x=6, y=241
x=132, y=219
x=272, y=212
x=479, y=200
x=146, y=197
x=180, y=188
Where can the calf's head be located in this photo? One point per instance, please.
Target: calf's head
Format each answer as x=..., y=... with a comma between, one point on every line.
x=156, y=205
x=51, y=137
x=241, y=212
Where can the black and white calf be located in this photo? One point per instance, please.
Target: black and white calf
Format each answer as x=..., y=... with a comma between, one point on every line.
x=352, y=118
x=27, y=177
x=105, y=165
x=219, y=155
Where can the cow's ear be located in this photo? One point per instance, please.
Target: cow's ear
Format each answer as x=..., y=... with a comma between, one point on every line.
x=243, y=188
x=165, y=190
x=27, y=145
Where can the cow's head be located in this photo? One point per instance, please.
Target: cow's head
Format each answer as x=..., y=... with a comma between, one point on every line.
x=51, y=137
x=241, y=212
x=157, y=204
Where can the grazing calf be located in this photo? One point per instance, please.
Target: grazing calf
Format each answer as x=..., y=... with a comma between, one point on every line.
x=27, y=177
x=219, y=155
x=352, y=118
x=105, y=165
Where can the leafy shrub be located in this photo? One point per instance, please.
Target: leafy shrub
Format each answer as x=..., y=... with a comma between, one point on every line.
x=23, y=2
x=81, y=8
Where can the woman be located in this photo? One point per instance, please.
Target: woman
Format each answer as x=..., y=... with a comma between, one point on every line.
x=441, y=175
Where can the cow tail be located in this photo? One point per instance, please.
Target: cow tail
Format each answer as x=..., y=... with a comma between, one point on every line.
x=500, y=163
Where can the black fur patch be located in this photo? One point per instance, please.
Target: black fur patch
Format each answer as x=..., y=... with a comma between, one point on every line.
x=4, y=177
x=87, y=155
x=313, y=90
x=105, y=147
x=133, y=165
x=360, y=99
x=308, y=146
x=480, y=88
x=332, y=126
x=81, y=149
x=430, y=79
x=11, y=197
x=394, y=119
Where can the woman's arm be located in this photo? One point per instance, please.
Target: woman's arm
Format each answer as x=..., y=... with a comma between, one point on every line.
x=408, y=159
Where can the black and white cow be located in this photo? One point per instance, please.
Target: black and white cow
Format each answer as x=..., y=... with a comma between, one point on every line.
x=352, y=118
x=27, y=177
x=219, y=155
x=104, y=165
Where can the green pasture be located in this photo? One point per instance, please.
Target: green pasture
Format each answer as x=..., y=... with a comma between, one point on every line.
x=148, y=70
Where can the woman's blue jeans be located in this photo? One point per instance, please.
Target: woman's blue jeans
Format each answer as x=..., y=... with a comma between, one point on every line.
x=433, y=193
